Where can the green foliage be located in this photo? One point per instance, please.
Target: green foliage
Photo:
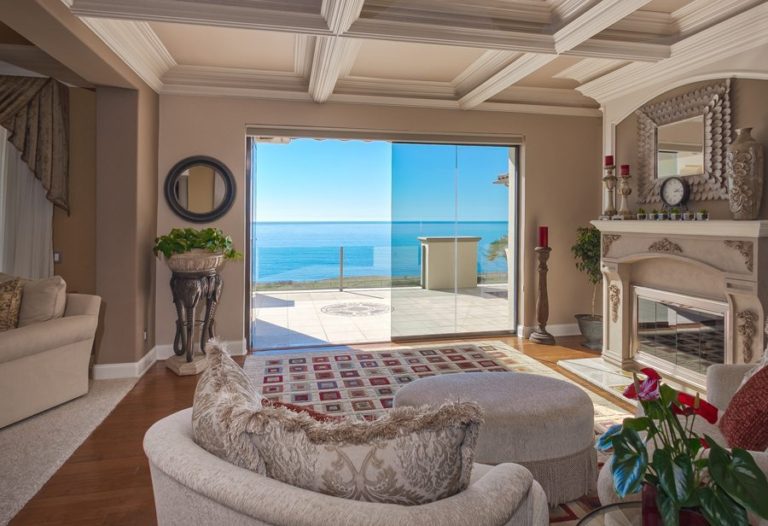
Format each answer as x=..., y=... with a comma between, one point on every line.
x=641, y=210
x=703, y=211
x=586, y=251
x=497, y=249
x=675, y=211
x=181, y=240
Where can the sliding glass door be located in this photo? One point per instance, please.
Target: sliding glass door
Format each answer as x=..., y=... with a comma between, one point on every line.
x=453, y=214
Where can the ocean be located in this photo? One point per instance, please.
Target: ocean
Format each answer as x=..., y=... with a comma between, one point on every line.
x=306, y=252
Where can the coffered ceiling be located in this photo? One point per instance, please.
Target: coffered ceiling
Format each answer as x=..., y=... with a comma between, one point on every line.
x=555, y=56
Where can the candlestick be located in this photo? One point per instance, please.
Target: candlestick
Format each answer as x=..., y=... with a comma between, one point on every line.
x=543, y=236
x=609, y=179
x=540, y=334
x=625, y=190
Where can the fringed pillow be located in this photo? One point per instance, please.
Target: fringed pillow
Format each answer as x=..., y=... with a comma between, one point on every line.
x=409, y=456
x=225, y=399
x=10, y=304
x=745, y=421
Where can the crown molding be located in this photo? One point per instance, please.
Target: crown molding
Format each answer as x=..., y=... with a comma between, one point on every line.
x=137, y=45
x=423, y=89
x=648, y=22
x=702, y=13
x=220, y=80
x=276, y=15
x=589, y=68
x=594, y=20
x=738, y=33
x=545, y=96
x=489, y=63
x=340, y=14
x=621, y=50
x=304, y=50
x=331, y=53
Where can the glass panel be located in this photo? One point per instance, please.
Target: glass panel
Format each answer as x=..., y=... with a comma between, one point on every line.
x=680, y=148
x=482, y=303
x=423, y=239
x=687, y=337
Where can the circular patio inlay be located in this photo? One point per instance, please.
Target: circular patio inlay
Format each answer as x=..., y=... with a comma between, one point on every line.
x=356, y=309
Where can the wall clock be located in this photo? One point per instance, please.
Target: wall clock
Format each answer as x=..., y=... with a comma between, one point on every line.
x=674, y=192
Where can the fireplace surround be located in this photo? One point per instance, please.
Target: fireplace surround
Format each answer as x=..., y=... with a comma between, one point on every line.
x=708, y=278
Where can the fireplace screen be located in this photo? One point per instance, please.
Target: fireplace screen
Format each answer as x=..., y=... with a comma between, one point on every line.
x=675, y=329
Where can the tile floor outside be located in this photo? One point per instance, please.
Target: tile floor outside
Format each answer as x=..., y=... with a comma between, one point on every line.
x=307, y=318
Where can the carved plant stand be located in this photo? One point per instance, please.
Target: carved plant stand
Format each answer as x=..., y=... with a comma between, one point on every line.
x=190, y=290
x=540, y=334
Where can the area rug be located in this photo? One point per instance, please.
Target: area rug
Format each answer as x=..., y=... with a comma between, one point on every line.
x=33, y=449
x=346, y=381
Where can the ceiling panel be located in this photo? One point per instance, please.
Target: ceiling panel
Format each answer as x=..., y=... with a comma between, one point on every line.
x=408, y=61
x=544, y=76
x=193, y=45
x=665, y=6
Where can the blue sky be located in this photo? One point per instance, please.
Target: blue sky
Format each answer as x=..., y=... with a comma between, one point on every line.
x=333, y=180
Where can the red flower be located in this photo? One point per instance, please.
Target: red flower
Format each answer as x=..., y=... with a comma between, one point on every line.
x=648, y=388
x=704, y=443
x=694, y=405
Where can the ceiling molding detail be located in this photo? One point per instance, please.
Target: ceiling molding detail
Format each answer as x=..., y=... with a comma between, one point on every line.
x=331, y=53
x=137, y=45
x=589, y=68
x=340, y=14
x=738, y=33
x=483, y=68
x=303, y=52
x=703, y=13
x=594, y=20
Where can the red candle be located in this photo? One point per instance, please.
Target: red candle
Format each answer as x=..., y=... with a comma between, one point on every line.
x=543, y=236
x=624, y=169
x=609, y=160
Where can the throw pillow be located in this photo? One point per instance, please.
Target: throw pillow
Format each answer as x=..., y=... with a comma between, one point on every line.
x=409, y=456
x=224, y=400
x=10, y=304
x=42, y=299
x=745, y=421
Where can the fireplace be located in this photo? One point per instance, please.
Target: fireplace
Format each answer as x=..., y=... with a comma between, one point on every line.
x=683, y=295
x=678, y=334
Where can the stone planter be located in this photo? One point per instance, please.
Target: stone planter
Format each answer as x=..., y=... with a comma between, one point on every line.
x=744, y=167
x=195, y=261
x=661, y=216
x=674, y=216
x=591, y=328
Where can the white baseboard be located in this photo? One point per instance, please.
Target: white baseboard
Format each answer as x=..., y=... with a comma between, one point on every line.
x=562, y=329
x=109, y=371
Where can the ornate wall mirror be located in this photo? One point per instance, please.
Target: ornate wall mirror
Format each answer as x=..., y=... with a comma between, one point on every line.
x=200, y=189
x=685, y=136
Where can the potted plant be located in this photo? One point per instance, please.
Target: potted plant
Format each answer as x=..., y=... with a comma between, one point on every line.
x=685, y=478
x=688, y=215
x=702, y=214
x=189, y=250
x=586, y=252
x=661, y=216
x=674, y=214
x=641, y=215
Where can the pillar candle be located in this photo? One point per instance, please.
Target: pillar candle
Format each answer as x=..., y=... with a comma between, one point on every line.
x=608, y=160
x=624, y=169
x=543, y=236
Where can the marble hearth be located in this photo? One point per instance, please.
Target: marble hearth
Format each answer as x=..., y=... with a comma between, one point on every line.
x=696, y=289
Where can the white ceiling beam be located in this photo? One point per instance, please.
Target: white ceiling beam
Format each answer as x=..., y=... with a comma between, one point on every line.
x=594, y=20
x=498, y=82
x=589, y=68
x=334, y=55
x=580, y=29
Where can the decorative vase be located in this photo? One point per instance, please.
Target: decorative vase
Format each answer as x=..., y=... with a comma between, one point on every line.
x=744, y=166
x=195, y=261
x=652, y=514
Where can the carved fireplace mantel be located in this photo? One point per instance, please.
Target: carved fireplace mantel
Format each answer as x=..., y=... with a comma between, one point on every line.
x=724, y=261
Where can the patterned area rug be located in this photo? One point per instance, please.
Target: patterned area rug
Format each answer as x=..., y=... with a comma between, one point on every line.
x=346, y=381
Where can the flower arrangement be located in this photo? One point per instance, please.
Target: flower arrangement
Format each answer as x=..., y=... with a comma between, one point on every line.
x=661, y=450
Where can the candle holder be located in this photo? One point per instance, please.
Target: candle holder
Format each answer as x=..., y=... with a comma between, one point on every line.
x=540, y=334
x=609, y=180
x=625, y=190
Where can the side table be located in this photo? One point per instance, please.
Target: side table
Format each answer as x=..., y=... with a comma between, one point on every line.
x=621, y=514
x=189, y=289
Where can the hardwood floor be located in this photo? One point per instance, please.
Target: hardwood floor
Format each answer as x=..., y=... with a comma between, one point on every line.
x=107, y=482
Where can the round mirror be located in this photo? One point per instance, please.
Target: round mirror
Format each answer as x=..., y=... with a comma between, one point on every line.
x=200, y=189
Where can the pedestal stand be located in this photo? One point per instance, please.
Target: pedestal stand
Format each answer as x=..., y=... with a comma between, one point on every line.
x=609, y=180
x=540, y=334
x=188, y=290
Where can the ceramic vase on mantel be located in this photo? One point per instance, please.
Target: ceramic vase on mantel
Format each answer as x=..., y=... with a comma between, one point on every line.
x=744, y=166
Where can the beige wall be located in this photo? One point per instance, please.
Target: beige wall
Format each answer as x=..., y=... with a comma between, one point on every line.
x=74, y=235
x=749, y=108
x=561, y=187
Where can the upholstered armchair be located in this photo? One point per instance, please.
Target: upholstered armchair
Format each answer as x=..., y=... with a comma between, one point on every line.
x=192, y=486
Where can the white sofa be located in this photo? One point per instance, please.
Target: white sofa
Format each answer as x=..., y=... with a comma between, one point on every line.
x=192, y=486
x=46, y=364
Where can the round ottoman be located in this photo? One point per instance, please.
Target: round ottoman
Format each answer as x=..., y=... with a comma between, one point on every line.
x=544, y=424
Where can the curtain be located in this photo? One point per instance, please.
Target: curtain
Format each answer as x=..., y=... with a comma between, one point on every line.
x=36, y=113
x=26, y=217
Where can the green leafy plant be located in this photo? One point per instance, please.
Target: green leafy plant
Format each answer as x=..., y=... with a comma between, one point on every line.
x=660, y=448
x=641, y=210
x=586, y=251
x=675, y=211
x=703, y=211
x=181, y=240
x=654, y=211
